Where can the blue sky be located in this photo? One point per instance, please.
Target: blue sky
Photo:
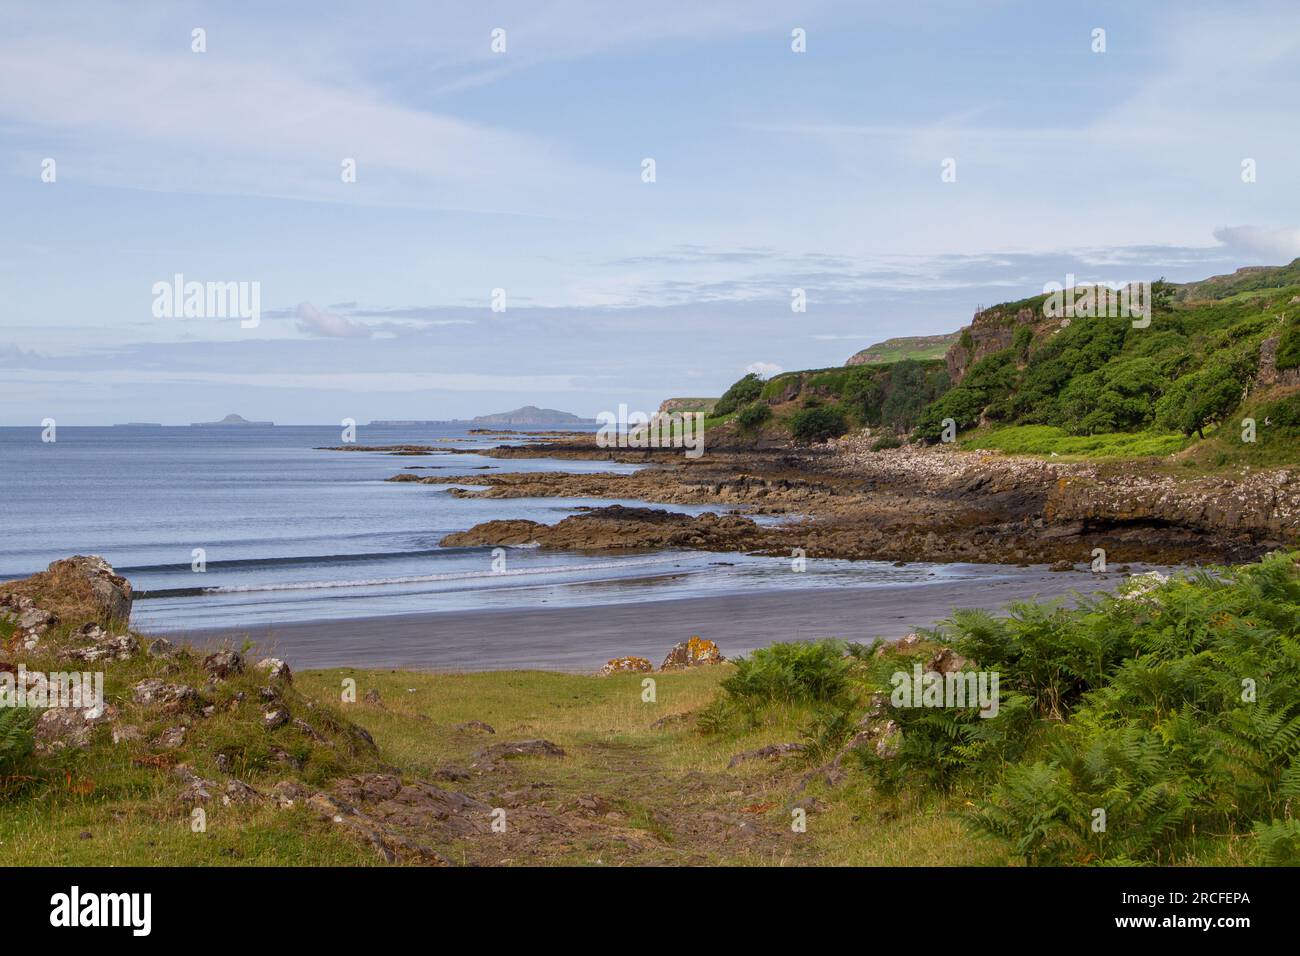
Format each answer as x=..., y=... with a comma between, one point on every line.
x=521, y=171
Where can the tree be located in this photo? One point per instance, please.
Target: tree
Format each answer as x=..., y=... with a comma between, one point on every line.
x=1200, y=399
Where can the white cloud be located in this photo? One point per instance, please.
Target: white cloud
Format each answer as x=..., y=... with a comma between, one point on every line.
x=1277, y=245
x=329, y=324
x=763, y=369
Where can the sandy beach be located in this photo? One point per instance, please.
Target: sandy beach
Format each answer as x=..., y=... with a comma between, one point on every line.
x=581, y=639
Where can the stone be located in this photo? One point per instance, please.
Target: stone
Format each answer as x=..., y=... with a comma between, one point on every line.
x=275, y=719
x=110, y=591
x=476, y=726
x=236, y=791
x=195, y=789
x=162, y=648
x=770, y=752
x=909, y=642
x=224, y=663
x=104, y=647
x=622, y=665
x=946, y=661
x=669, y=720
x=277, y=670
x=286, y=793
x=493, y=756
x=306, y=728
x=153, y=691
x=692, y=653
x=173, y=738
x=372, y=697
x=61, y=728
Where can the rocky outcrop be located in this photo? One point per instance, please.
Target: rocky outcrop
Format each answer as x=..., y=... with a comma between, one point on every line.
x=109, y=591
x=84, y=588
x=493, y=757
x=626, y=665
x=695, y=652
x=1268, y=374
x=612, y=527
x=1264, y=506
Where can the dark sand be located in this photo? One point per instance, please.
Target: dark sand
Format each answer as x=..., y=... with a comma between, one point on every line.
x=583, y=638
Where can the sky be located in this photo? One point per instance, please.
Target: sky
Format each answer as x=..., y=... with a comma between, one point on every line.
x=502, y=241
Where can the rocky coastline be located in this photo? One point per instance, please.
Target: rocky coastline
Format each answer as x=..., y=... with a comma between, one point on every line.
x=845, y=500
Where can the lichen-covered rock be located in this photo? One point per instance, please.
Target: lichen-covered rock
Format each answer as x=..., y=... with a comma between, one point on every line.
x=692, y=653
x=946, y=661
x=476, y=726
x=909, y=642
x=154, y=692
x=196, y=789
x=624, y=665
x=224, y=663
x=173, y=738
x=276, y=669
x=103, y=646
x=61, y=728
x=275, y=719
x=236, y=791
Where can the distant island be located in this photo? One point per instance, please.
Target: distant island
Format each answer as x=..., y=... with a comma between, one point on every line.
x=532, y=415
x=232, y=421
x=528, y=415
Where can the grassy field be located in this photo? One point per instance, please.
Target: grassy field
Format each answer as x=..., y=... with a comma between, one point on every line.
x=662, y=794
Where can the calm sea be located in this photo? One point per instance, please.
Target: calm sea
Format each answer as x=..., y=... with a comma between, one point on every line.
x=292, y=533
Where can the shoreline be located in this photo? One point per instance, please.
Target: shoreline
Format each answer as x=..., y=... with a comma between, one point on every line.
x=581, y=639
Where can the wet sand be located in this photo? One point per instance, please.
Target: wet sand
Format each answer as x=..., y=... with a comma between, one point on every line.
x=581, y=639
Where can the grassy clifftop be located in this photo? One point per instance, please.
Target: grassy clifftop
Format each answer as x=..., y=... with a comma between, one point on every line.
x=1022, y=379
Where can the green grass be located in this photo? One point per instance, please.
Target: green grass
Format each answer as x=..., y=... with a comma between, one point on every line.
x=1046, y=440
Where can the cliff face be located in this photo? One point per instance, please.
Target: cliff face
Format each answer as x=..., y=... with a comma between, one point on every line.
x=992, y=330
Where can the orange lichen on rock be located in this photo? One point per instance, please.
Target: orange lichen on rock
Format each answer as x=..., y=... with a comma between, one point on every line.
x=623, y=665
x=692, y=653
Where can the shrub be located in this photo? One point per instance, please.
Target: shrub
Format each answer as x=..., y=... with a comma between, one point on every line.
x=1132, y=704
x=817, y=424
x=745, y=390
x=963, y=405
x=754, y=415
x=1288, y=346
x=814, y=672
